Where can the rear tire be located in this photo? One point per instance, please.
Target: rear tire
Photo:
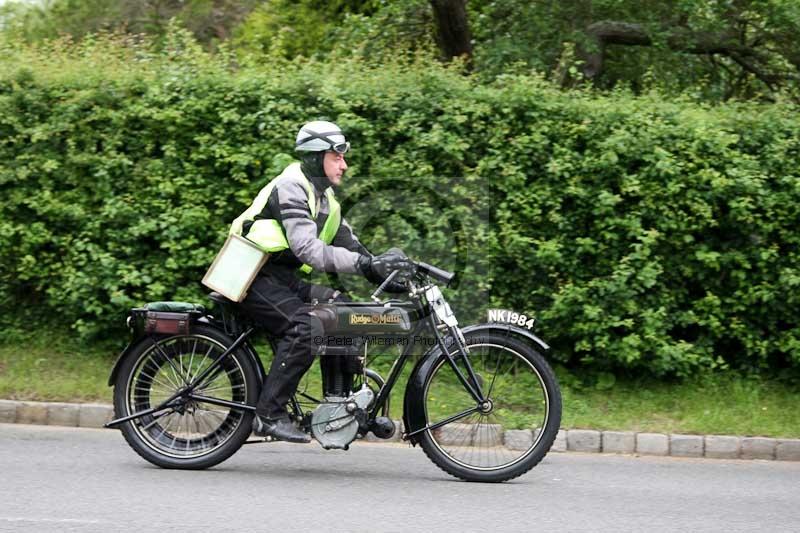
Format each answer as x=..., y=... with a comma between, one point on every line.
x=203, y=434
x=524, y=395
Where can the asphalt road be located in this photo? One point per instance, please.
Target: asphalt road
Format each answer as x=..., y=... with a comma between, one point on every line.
x=59, y=479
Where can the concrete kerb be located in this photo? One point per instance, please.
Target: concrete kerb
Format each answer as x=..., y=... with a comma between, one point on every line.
x=619, y=442
x=686, y=445
x=8, y=411
x=788, y=450
x=517, y=439
x=758, y=448
x=722, y=446
x=63, y=414
x=32, y=413
x=584, y=440
x=581, y=440
x=652, y=444
x=560, y=444
x=94, y=415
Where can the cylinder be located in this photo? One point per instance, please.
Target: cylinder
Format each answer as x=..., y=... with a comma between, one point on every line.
x=339, y=365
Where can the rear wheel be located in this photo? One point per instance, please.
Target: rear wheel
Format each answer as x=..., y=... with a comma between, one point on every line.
x=191, y=433
x=512, y=431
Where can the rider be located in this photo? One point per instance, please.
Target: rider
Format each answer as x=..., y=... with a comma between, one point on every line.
x=297, y=219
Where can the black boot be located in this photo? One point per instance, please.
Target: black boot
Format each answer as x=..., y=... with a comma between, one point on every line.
x=280, y=429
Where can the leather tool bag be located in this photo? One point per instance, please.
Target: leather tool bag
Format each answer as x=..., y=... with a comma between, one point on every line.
x=167, y=323
x=166, y=318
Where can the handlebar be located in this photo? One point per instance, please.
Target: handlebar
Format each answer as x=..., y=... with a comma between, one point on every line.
x=440, y=275
x=436, y=273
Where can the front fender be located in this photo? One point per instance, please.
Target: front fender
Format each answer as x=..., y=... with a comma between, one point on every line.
x=506, y=329
x=413, y=404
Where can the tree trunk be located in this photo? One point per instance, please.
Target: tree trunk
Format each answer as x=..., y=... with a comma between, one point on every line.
x=452, y=28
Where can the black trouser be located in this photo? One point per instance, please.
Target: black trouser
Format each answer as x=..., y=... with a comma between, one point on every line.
x=278, y=300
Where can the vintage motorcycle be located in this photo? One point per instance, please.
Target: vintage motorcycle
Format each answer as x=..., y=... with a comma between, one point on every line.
x=482, y=402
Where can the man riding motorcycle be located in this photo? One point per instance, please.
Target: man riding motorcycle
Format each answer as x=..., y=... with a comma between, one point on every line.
x=297, y=219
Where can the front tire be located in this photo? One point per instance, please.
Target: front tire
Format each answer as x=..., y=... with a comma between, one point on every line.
x=193, y=435
x=513, y=432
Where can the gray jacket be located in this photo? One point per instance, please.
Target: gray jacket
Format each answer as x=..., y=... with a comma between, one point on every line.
x=288, y=204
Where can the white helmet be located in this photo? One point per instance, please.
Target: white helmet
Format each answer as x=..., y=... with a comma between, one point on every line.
x=321, y=136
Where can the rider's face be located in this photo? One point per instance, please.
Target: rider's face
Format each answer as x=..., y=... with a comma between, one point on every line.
x=334, y=166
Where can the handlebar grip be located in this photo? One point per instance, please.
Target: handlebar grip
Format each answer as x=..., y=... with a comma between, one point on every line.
x=437, y=273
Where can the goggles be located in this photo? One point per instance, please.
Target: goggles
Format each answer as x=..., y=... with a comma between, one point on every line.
x=341, y=148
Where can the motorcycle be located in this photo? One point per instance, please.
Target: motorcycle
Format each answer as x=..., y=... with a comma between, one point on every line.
x=481, y=401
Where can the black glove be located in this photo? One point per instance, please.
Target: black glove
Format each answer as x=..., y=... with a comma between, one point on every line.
x=378, y=268
x=391, y=260
x=394, y=287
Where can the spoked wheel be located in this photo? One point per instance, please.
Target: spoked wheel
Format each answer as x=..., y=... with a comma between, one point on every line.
x=507, y=435
x=193, y=433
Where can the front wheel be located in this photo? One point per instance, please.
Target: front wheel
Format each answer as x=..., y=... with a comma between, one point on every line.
x=512, y=431
x=191, y=433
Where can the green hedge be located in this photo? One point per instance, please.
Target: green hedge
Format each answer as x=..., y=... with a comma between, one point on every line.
x=645, y=235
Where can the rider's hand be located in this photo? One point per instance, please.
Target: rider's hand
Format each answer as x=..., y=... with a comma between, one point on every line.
x=389, y=261
x=378, y=268
x=394, y=287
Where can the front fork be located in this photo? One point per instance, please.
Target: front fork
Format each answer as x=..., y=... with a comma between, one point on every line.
x=470, y=381
x=440, y=310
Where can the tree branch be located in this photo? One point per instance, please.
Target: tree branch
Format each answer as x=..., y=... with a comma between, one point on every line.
x=768, y=79
x=728, y=43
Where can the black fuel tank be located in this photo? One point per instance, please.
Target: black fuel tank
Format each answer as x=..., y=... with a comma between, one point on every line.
x=366, y=318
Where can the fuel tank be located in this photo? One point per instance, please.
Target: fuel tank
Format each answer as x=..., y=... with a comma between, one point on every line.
x=367, y=318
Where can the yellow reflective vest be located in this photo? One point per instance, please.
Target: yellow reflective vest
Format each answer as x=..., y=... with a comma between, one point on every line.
x=268, y=234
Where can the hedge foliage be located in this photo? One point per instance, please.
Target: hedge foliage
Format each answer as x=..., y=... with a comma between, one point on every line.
x=650, y=235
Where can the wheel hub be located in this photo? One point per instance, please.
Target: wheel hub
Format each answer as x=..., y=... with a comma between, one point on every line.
x=183, y=405
x=486, y=407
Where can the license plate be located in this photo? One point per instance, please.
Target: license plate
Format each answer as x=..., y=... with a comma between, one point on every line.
x=506, y=316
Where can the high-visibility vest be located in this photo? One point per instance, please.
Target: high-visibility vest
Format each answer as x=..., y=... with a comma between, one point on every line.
x=268, y=234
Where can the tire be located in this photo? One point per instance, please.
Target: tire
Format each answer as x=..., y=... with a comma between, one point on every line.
x=204, y=434
x=524, y=395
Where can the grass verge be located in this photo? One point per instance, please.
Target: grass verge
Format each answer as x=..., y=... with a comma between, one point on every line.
x=724, y=403
x=55, y=371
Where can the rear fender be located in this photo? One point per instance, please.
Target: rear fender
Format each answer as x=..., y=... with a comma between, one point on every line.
x=413, y=403
x=121, y=357
x=134, y=342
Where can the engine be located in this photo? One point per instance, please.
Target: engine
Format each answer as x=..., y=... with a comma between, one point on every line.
x=335, y=422
x=338, y=420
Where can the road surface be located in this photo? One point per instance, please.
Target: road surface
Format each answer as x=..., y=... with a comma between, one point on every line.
x=68, y=479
